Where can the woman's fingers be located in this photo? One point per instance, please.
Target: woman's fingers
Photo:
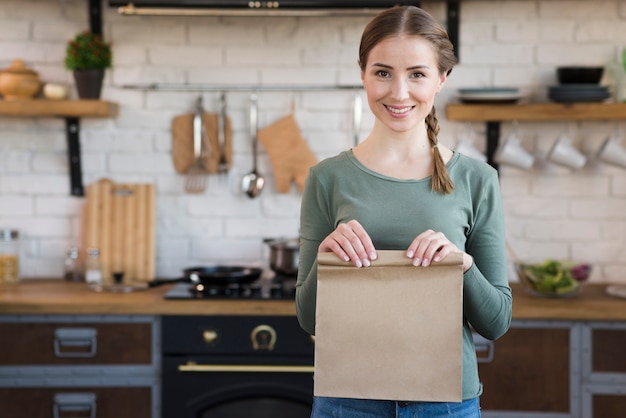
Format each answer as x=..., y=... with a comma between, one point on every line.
x=350, y=242
x=429, y=246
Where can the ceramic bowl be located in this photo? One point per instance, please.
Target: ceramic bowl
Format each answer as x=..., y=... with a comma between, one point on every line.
x=553, y=279
x=579, y=75
x=19, y=82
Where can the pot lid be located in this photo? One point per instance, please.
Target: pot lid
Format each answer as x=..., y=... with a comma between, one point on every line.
x=18, y=67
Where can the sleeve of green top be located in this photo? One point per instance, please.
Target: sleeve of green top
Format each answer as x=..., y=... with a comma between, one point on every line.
x=487, y=294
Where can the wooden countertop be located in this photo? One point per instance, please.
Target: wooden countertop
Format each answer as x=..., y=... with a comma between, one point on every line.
x=47, y=297
x=43, y=297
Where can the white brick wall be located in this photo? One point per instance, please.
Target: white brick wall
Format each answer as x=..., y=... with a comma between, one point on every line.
x=550, y=211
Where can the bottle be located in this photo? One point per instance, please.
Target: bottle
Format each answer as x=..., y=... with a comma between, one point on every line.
x=9, y=256
x=93, y=269
x=73, y=271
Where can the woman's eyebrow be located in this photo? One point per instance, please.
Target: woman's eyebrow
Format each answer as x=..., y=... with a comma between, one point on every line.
x=414, y=67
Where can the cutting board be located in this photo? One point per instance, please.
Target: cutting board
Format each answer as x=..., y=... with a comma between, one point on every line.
x=120, y=222
x=182, y=142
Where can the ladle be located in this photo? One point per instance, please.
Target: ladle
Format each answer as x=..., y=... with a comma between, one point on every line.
x=252, y=183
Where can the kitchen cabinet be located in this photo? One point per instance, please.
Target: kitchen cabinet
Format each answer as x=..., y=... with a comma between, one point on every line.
x=533, y=371
x=604, y=369
x=71, y=110
x=98, y=365
x=493, y=115
x=546, y=369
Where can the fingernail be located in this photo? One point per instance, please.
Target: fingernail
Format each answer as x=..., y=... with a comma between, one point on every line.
x=373, y=255
x=366, y=262
x=425, y=262
x=358, y=263
x=410, y=254
x=437, y=258
x=416, y=262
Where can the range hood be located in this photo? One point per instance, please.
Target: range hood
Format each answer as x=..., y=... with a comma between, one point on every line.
x=254, y=7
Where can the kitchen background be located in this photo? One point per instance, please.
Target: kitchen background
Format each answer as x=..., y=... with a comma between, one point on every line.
x=551, y=212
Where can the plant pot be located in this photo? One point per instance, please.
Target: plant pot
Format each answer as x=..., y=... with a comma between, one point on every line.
x=89, y=83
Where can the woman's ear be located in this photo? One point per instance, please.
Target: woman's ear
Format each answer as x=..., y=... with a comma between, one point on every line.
x=442, y=81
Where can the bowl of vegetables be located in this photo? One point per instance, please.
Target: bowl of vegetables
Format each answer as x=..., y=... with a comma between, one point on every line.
x=553, y=278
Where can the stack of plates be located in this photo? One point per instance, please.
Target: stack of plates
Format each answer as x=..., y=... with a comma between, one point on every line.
x=489, y=95
x=571, y=93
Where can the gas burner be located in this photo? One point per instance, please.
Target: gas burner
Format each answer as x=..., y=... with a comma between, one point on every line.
x=267, y=288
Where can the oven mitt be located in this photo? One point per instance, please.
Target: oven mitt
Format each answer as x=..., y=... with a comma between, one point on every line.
x=289, y=153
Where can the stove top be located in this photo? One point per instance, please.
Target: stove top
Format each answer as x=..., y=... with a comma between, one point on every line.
x=276, y=288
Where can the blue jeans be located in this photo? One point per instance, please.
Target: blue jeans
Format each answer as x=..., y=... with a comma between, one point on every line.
x=364, y=408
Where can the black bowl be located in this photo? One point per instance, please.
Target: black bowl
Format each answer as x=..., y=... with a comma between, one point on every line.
x=579, y=75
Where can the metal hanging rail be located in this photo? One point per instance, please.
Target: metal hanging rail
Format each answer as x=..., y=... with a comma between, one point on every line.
x=238, y=87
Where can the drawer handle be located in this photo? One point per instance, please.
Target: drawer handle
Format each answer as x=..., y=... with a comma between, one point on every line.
x=75, y=405
x=193, y=367
x=75, y=342
x=483, y=345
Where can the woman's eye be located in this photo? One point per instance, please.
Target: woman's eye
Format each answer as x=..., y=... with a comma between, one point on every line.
x=417, y=75
x=382, y=73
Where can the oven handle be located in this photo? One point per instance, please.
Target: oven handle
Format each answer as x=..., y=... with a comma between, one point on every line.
x=192, y=367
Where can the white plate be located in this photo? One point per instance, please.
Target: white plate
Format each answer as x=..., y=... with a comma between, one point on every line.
x=617, y=291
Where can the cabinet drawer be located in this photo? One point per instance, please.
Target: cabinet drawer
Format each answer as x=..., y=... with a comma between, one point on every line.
x=76, y=402
x=75, y=344
x=529, y=372
x=608, y=350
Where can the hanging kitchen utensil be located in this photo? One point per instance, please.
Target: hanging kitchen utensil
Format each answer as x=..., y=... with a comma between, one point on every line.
x=182, y=142
x=252, y=183
x=288, y=151
x=356, y=118
x=223, y=165
x=196, y=179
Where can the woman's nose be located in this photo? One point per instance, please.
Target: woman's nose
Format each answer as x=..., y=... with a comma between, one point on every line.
x=399, y=89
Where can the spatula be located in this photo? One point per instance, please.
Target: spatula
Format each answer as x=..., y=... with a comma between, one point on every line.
x=196, y=176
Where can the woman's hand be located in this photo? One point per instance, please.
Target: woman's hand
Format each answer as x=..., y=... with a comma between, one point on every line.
x=350, y=242
x=432, y=246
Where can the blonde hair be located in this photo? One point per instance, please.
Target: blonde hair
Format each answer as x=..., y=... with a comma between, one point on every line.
x=412, y=20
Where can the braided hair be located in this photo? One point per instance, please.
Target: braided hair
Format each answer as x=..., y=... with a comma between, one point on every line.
x=412, y=20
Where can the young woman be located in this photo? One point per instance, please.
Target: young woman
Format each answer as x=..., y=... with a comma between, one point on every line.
x=401, y=190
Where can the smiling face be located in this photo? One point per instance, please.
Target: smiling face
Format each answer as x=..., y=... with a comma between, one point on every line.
x=401, y=78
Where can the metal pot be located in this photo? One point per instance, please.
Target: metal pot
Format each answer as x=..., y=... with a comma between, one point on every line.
x=284, y=256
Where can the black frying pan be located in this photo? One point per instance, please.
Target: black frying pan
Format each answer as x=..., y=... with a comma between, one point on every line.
x=222, y=275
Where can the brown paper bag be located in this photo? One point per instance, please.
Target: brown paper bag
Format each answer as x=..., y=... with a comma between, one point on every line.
x=389, y=331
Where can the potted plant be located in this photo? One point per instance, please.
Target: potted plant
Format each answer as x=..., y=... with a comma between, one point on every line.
x=87, y=55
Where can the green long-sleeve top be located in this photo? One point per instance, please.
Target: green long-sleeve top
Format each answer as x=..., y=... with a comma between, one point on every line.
x=394, y=212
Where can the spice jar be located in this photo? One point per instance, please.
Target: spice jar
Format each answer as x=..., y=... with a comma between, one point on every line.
x=73, y=270
x=9, y=256
x=93, y=268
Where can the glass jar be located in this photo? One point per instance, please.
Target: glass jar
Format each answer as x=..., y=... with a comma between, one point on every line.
x=9, y=256
x=72, y=268
x=93, y=269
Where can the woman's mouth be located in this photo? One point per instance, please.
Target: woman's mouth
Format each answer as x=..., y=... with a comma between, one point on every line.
x=399, y=110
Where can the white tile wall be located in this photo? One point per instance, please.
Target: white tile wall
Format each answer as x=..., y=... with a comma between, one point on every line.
x=550, y=211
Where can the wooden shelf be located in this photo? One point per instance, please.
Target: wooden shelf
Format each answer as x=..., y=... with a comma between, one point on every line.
x=536, y=112
x=72, y=111
x=58, y=108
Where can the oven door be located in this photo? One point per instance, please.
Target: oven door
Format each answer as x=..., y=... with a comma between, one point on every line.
x=199, y=389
